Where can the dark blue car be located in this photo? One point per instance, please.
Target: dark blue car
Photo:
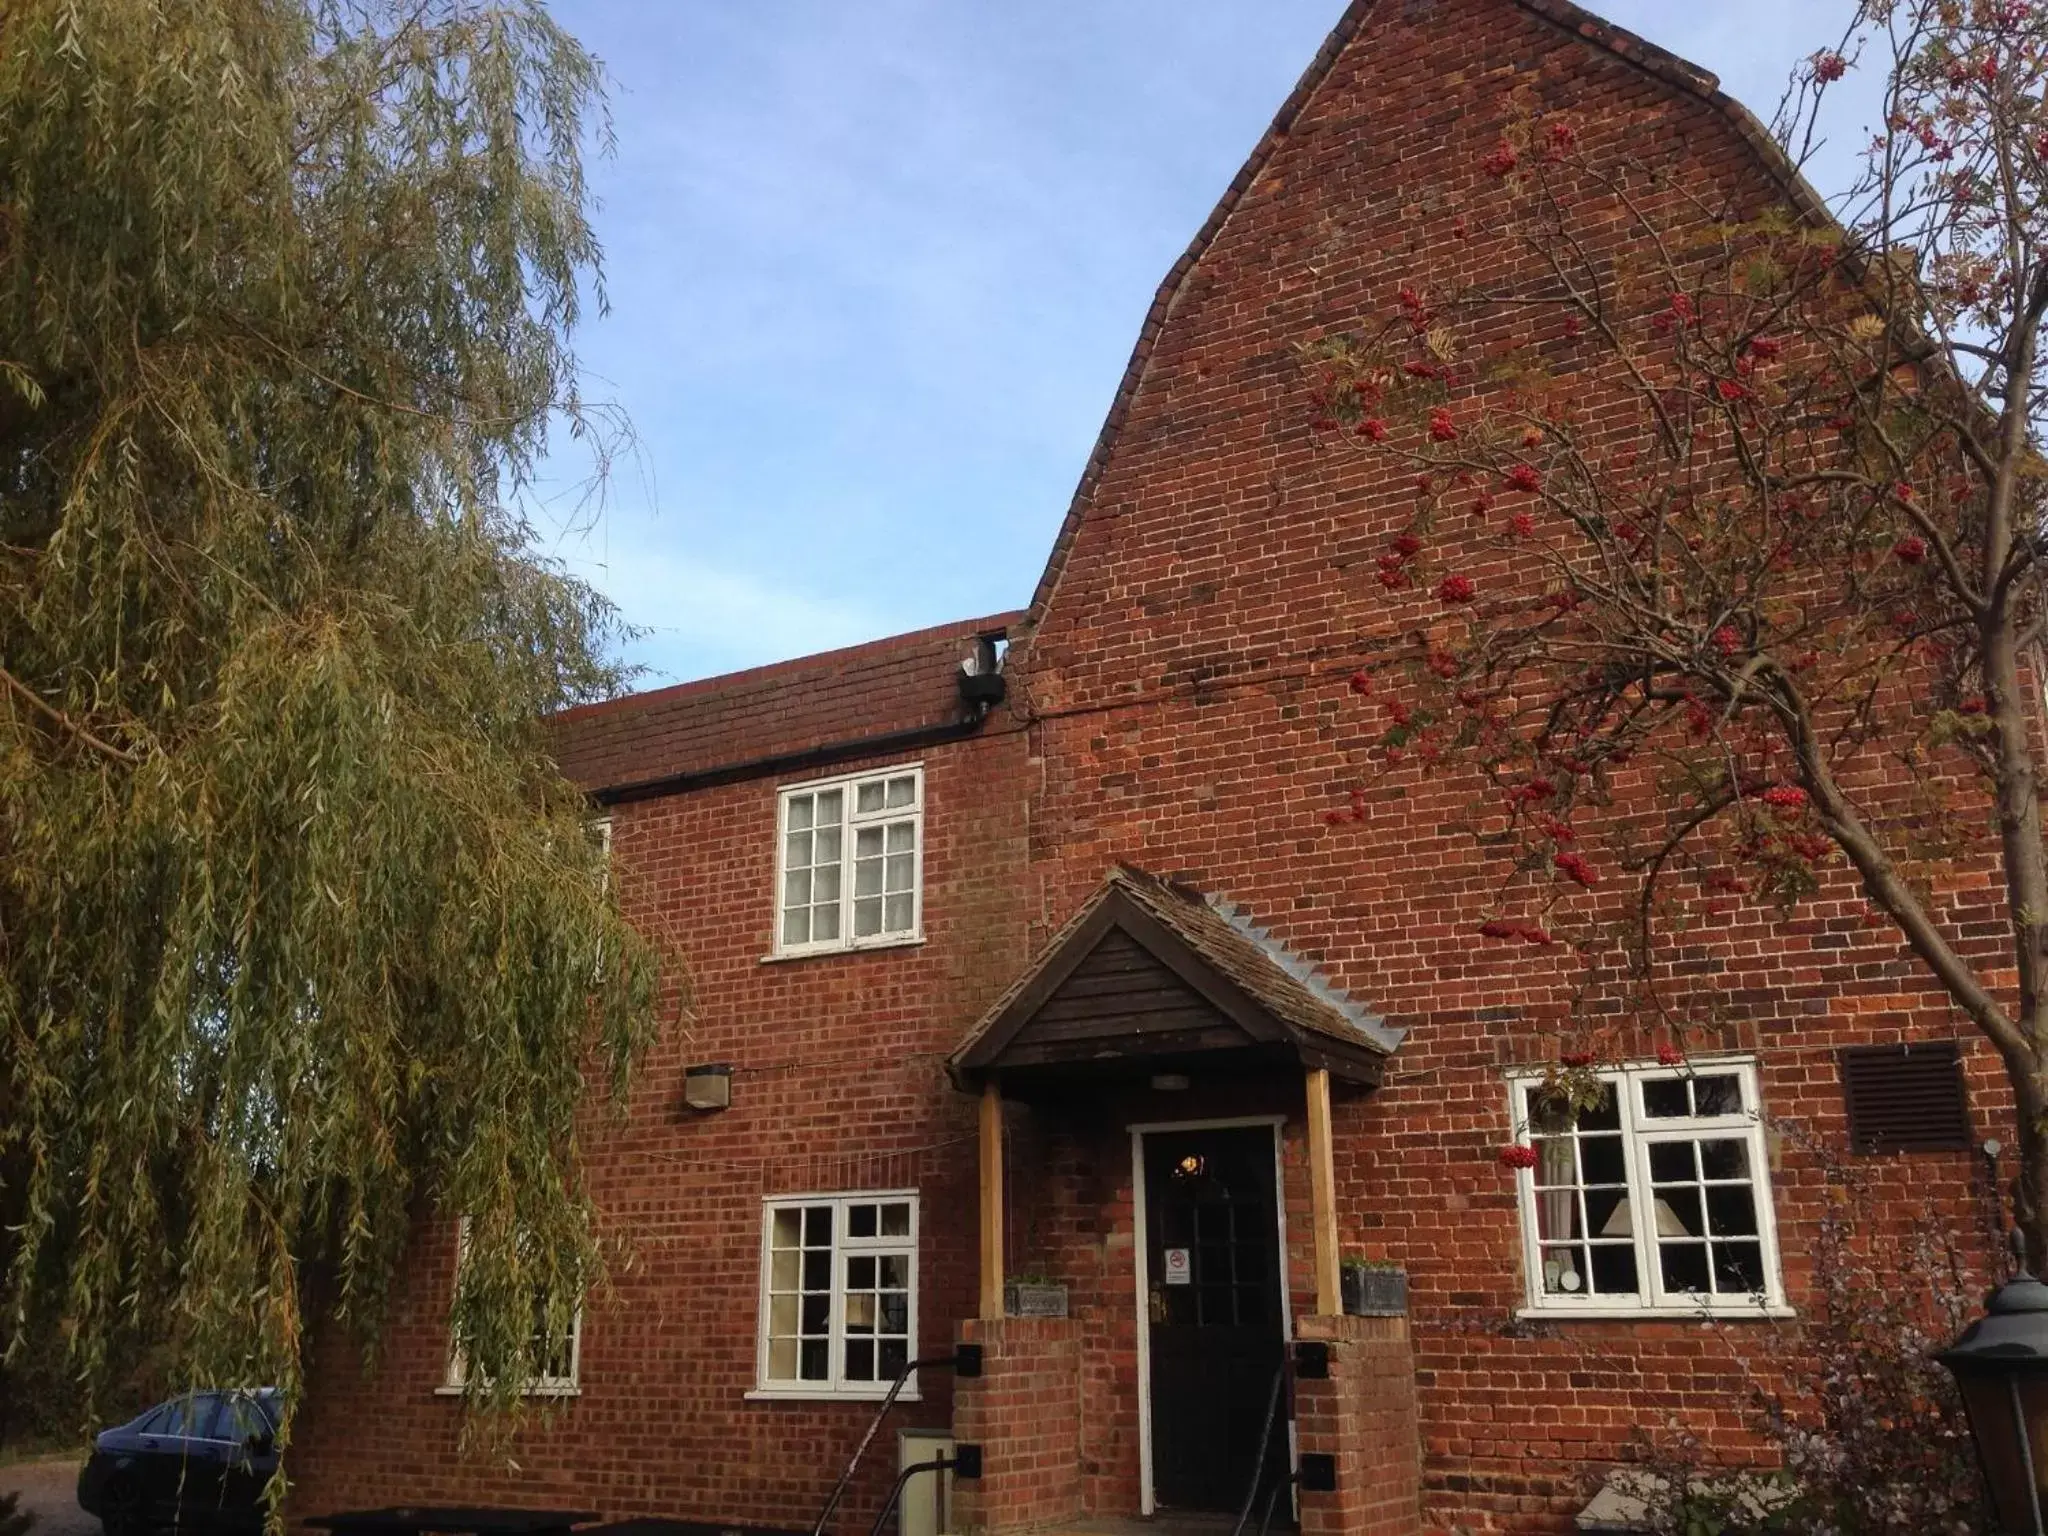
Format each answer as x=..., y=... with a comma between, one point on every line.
x=197, y=1463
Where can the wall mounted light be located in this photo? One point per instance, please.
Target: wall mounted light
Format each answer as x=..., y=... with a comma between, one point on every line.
x=708, y=1086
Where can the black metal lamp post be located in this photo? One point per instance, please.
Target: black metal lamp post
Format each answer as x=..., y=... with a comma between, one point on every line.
x=2001, y=1366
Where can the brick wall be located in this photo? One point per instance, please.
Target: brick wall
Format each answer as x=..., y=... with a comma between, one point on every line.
x=1364, y=1416
x=838, y=1084
x=1024, y=1413
x=1184, y=680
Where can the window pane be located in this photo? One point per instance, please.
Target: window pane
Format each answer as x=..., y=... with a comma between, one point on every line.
x=860, y=1222
x=895, y=1312
x=860, y=1359
x=1554, y=1164
x=825, y=884
x=1684, y=1266
x=1604, y=1116
x=796, y=926
x=1609, y=1214
x=783, y=1267
x=788, y=1228
x=813, y=1355
x=896, y=913
x=796, y=888
x=796, y=850
x=895, y=1271
x=817, y=1225
x=782, y=1316
x=896, y=1219
x=1557, y=1214
x=1738, y=1268
x=817, y=1269
x=825, y=846
x=860, y=1272
x=824, y=924
x=1731, y=1211
x=1564, y=1270
x=1724, y=1160
x=898, y=872
x=860, y=1313
x=1678, y=1213
x=816, y=1314
x=903, y=790
x=895, y=1354
x=867, y=916
x=782, y=1359
x=829, y=807
x=902, y=837
x=1671, y=1161
x=868, y=797
x=799, y=812
x=867, y=877
x=1601, y=1160
x=1614, y=1269
x=1720, y=1094
x=1664, y=1098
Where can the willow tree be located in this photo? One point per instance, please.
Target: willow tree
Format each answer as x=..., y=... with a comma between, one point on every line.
x=302, y=935
x=1726, y=574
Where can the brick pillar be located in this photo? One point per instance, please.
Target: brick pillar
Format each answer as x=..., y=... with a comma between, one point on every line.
x=1364, y=1416
x=1024, y=1411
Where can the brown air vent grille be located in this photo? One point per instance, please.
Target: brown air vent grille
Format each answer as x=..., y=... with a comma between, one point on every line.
x=1905, y=1098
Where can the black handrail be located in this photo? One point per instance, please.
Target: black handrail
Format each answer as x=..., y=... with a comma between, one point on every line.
x=936, y=1464
x=966, y=1361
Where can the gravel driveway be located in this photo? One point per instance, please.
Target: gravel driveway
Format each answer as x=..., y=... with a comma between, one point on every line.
x=50, y=1488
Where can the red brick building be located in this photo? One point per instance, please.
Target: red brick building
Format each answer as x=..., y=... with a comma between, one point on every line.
x=1075, y=984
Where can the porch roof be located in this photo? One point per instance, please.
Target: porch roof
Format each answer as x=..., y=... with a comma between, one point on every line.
x=1149, y=971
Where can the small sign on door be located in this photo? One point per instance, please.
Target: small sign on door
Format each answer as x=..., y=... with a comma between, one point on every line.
x=1179, y=1271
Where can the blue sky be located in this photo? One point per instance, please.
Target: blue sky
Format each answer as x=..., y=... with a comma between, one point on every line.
x=875, y=267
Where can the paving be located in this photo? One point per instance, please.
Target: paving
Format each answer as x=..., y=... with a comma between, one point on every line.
x=49, y=1488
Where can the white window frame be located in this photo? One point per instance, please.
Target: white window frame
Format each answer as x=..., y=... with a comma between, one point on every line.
x=850, y=822
x=457, y=1378
x=834, y=1386
x=1638, y=1134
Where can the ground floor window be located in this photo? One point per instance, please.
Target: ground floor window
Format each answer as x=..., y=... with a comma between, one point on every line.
x=557, y=1357
x=838, y=1292
x=1656, y=1199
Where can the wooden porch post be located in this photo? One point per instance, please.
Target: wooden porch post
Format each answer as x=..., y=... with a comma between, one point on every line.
x=991, y=1201
x=1322, y=1183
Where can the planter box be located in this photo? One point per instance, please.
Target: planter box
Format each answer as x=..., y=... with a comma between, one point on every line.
x=1024, y=1299
x=1375, y=1292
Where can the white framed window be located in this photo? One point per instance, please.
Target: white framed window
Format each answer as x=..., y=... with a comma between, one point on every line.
x=838, y=1294
x=559, y=1361
x=849, y=862
x=1658, y=1201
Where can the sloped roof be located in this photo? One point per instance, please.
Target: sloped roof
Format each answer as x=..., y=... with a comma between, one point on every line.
x=809, y=707
x=1680, y=74
x=1214, y=946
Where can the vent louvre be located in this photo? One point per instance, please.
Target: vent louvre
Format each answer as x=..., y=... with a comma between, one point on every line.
x=1905, y=1098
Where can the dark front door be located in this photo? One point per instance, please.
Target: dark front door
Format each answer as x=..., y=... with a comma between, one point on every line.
x=1213, y=1266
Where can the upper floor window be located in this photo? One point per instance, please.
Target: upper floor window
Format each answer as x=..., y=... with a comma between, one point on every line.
x=849, y=863
x=1657, y=1200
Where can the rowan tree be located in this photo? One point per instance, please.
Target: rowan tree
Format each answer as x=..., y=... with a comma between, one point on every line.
x=302, y=935
x=1725, y=565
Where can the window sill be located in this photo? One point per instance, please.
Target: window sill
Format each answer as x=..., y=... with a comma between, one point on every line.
x=908, y=941
x=1772, y=1312
x=828, y=1395
x=554, y=1391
